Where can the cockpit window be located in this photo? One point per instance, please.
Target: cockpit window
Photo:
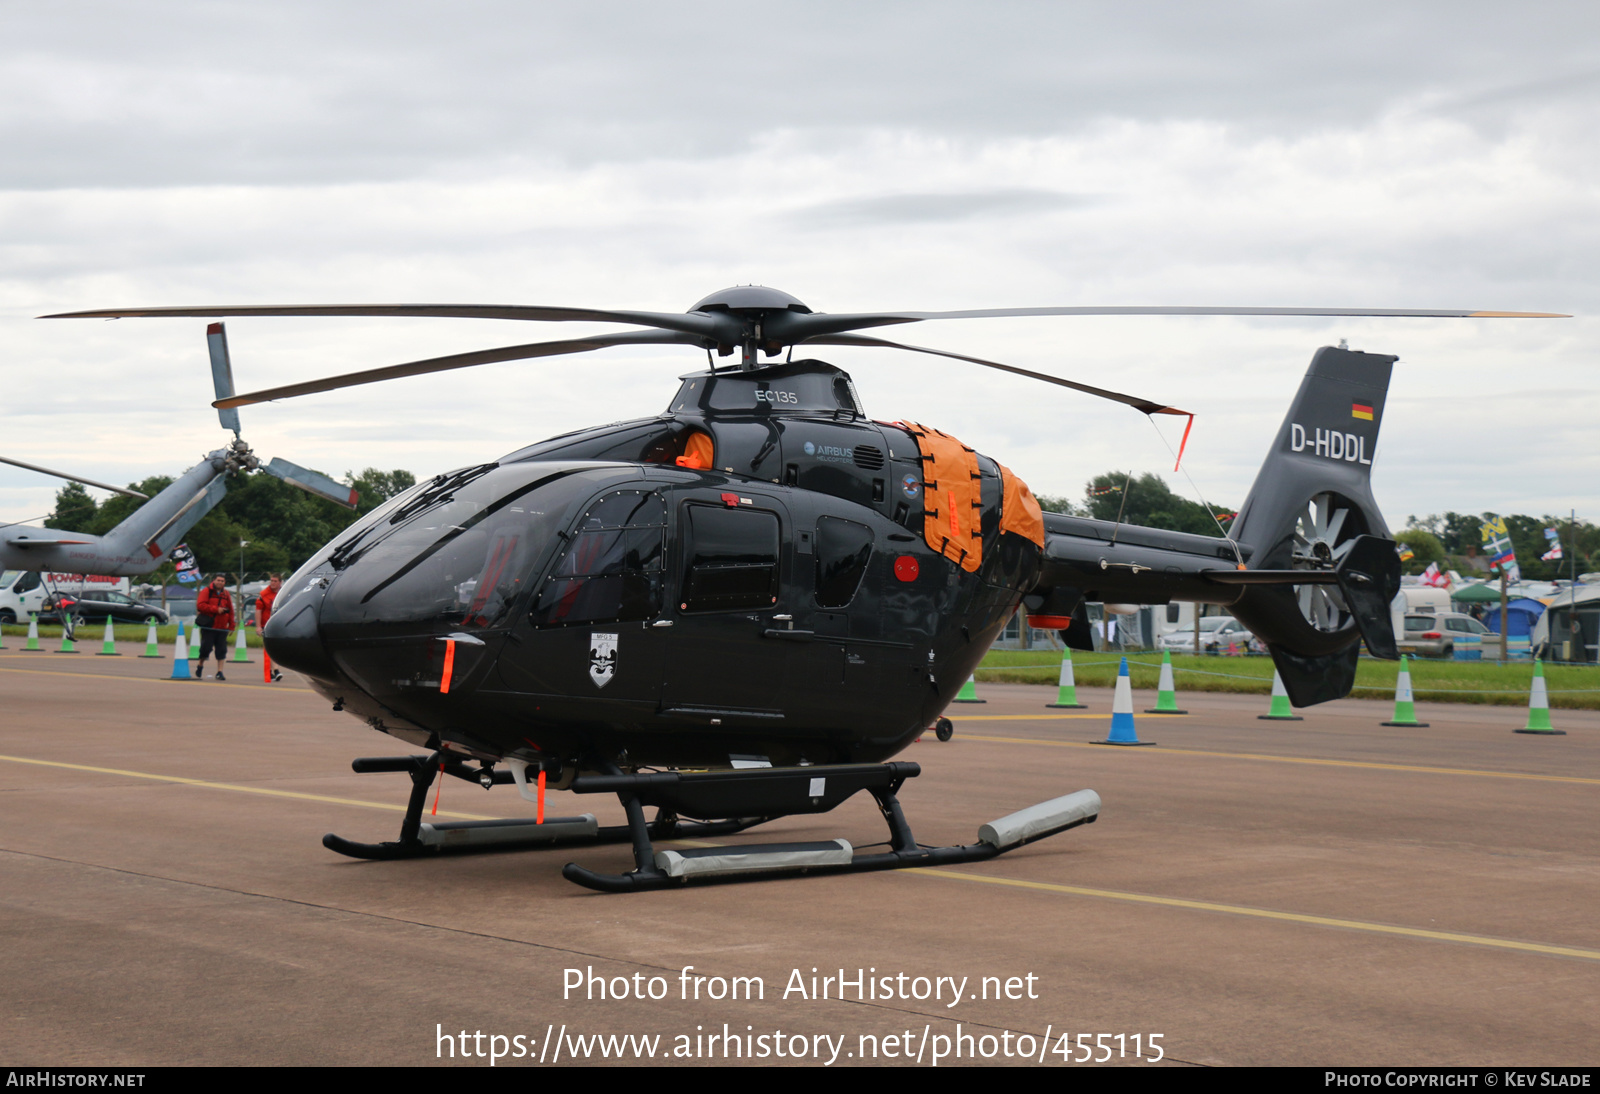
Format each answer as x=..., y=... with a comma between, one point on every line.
x=459, y=559
x=843, y=550
x=732, y=559
x=612, y=567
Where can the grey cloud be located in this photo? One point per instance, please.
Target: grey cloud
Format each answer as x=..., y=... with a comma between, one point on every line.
x=107, y=94
x=913, y=208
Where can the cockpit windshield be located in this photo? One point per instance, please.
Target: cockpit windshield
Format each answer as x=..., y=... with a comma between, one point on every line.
x=462, y=555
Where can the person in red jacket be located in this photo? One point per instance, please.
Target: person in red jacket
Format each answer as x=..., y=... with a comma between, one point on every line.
x=213, y=614
x=264, y=602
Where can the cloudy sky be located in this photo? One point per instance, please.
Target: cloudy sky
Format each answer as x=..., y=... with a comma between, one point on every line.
x=892, y=155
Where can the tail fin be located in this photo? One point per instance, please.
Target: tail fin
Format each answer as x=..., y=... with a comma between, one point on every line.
x=1311, y=508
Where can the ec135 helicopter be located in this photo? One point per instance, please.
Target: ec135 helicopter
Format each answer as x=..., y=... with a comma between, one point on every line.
x=741, y=608
x=142, y=542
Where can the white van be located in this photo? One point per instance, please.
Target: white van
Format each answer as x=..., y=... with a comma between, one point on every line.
x=1417, y=600
x=23, y=592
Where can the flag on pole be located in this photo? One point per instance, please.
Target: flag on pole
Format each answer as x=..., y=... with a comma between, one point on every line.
x=183, y=560
x=1497, y=545
x=1553, y=538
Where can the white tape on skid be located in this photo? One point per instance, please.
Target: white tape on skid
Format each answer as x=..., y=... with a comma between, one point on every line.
x=1040, y=820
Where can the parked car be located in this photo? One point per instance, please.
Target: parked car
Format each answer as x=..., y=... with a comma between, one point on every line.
x=1426, y=636
x=1468, y=635
x=1218, y=634
x=96, y=605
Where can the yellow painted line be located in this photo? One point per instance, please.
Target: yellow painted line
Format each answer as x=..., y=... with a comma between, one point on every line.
x=1163, y=750
x=1263, y=913
x=136, y=679
x=229, y=786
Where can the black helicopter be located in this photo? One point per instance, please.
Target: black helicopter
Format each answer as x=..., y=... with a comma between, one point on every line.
x=741, y=608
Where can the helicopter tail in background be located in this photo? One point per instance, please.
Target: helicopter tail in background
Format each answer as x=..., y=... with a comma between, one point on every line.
x=1309, y=565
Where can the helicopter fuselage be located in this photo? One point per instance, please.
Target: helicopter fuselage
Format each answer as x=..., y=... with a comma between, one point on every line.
x=599, y=597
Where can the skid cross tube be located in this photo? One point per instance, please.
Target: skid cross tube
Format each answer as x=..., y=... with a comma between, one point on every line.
x=659, y=870
x=424, y=769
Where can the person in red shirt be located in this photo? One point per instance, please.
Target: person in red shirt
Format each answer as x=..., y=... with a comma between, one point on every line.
x=264, y=612
x=213, y=614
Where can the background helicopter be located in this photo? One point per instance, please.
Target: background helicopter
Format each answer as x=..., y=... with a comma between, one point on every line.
x=142, y=542
x=765, y=584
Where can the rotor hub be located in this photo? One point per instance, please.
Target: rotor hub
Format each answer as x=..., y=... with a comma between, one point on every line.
x=750, y=299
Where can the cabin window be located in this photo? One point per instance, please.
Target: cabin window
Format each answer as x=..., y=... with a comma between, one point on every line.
x=843, y=550
x=612, y=567
x=731, y=559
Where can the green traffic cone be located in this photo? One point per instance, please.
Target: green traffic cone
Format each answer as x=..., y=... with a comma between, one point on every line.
x=240, y=657
x=151, y=647
x=1539, y=706
x=1279, y=711
x=33, y=634
x=67, y=645
x=1405, y=711
x=1166, y=690
x=1067, y=692
x=109, y=647
x=969, y=692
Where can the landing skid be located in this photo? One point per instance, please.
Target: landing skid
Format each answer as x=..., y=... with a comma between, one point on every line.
x=743, y=798
x=419, y=839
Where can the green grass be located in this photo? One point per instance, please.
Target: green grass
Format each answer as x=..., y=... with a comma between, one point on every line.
x=1572, y=686
x=126, y=632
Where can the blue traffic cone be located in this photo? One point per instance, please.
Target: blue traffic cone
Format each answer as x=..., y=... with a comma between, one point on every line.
x=1122, y=731
x=180, y=657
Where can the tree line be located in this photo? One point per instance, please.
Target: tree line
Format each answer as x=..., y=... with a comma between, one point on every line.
x=285, y=525
x=1453, y=540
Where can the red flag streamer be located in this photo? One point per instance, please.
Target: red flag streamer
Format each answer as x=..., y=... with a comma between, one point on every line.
x=439, y=789
x=541, y=797
x=1183, y=442
x=449, y=664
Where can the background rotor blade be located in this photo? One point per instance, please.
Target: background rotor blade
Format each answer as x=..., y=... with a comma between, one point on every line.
x=722, y=327
x=462, y=360
x=313, y=482
x=1145, y=406
x=796, y=327
x=222, y=374
x=77, y=478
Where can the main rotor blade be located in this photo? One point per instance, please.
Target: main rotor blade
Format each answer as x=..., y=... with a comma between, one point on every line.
x=313, y=482
x=77, y=478
x=462, y=360
x=797, y=327
x=222, y=373
x=1145, y=406
x=723, y=328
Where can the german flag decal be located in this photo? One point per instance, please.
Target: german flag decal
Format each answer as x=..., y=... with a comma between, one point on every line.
x=1359, y=411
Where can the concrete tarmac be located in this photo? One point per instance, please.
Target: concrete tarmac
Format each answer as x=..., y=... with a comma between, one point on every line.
x=1324, y=892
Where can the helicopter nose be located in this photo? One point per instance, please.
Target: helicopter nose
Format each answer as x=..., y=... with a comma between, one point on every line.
x=294, y=641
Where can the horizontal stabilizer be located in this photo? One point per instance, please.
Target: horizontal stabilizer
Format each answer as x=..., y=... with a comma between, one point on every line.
x=313, y=482
x=35, y=541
